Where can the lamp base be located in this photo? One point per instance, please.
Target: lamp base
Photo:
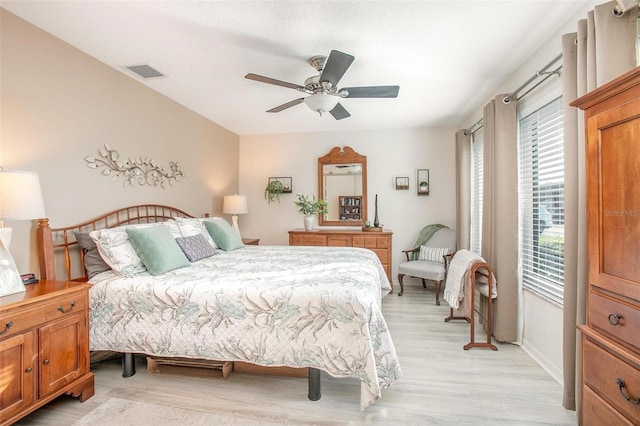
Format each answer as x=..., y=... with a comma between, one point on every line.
x=5, y=236
x=10, y=281
x=234, y=220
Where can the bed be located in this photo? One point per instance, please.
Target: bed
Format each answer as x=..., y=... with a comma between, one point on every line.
x=301, y=307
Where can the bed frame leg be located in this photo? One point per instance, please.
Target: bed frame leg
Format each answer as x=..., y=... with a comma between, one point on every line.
x=314, y=384
x=128, y=365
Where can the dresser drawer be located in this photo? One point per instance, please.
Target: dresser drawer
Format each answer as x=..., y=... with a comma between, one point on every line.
x=307, y=240
x=597, y=412
x=615, y=318
x=41, y=312
x=339, y=241
x=602, y=371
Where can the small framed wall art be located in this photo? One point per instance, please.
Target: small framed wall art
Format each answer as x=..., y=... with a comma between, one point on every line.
x=423, y=181
x=402, y=183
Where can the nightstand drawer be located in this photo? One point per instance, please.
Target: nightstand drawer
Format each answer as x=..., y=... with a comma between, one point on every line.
x=615, y=318
x=18, y=320
x=603, y=372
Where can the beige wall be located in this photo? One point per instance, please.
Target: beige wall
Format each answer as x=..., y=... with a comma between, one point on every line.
x=59, y=105
x=390, y=153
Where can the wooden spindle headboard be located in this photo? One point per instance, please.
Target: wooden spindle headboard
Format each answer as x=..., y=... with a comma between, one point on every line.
x=58, y=246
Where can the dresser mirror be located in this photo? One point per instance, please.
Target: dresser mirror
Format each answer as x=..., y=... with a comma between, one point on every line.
x=342, y=181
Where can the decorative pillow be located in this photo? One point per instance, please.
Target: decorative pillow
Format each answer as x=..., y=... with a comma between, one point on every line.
x=433, y=254
x=223, y=234
x=158, y=249
x=194, y=226
x=93, y=262
x=116, y=250
x=195, y=247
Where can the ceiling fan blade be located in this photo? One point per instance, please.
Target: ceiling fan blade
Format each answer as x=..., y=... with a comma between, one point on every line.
x=268, y=80
x=335, y=67
x=339, y=112
x=371, y=92
x=287, y=105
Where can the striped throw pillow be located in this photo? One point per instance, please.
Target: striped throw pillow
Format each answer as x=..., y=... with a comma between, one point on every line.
x=433, y=254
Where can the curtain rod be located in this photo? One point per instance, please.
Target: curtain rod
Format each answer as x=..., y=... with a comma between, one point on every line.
x=471, y=130
x=542, y=73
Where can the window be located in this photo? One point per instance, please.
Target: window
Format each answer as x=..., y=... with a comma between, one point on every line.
x=542, y=200
x=477, y=161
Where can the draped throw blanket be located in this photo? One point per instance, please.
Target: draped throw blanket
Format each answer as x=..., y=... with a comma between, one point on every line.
x=459, y=276
x=426, y=233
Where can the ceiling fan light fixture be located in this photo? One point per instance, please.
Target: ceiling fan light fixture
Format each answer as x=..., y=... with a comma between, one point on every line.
x=321, y=102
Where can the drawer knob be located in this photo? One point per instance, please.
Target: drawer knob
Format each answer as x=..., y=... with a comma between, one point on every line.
x=45, y=362
x=624, y=393
x=29, y=370
x=7, y=326
x=61, y=309
x=614, y=319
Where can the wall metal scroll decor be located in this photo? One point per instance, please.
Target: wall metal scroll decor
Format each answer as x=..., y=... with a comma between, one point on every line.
x=141, y=171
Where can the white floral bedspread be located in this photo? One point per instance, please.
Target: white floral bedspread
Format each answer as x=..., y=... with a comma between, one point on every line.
x=314, y=307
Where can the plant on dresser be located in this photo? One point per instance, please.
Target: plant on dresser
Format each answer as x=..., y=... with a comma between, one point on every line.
x=44, y=347
x=310, y=208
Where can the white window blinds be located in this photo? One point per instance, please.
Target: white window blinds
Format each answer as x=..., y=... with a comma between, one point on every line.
x=542, y=200
x=477, y=172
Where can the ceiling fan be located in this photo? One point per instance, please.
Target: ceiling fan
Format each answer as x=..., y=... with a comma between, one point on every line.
x=323, y=91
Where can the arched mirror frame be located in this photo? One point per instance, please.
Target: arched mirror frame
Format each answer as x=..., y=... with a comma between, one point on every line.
x=345, y=155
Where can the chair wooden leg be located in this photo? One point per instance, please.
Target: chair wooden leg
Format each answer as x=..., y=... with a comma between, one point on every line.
x=400, y=276
x=438, y=284
x=424, y=283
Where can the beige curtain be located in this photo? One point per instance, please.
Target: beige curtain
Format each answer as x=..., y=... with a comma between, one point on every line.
x=500, y=211
x=603, y=48
x=463, y=188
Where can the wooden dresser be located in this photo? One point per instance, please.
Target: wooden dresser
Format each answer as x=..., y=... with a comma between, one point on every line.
x=378, y=242
x=611, y=338
x=44, y=347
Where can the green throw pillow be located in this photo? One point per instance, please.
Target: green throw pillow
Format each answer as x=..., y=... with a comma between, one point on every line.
x=157, y=249
x=223, y=234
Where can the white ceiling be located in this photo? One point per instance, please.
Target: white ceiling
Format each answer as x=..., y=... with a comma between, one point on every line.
x=446, y=56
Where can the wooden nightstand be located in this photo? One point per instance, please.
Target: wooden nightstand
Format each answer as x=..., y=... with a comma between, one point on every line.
x=44, y=345
x=251, y=241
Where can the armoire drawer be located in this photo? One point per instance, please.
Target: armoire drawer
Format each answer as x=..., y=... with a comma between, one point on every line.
x=597, y=412
x=615, y=317
x=603, y=371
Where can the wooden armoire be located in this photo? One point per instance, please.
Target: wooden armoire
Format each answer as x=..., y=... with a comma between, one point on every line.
x=611, y=337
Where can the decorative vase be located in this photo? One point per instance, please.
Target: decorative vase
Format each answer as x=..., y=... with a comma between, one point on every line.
x=376, y=222
x=308, y=223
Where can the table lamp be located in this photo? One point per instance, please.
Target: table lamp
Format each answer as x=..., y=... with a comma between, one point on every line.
x=235, y=205
x=20, y=199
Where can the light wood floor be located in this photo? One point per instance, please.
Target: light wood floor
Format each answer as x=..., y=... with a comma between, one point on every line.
x=441, y=384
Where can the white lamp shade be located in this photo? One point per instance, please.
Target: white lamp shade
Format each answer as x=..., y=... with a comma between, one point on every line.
x=20, y=196
x=321, y=103
x=235, y=204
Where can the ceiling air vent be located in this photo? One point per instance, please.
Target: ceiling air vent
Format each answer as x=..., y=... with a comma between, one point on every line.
x=145, y=71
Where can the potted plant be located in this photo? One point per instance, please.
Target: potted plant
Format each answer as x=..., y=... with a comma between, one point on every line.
x=310, y=208
x=273, y=190
x=424, y=187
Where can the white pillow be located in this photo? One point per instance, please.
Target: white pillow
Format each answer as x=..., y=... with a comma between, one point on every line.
x=433, y=254
x=116, y=250
x=173, y=227
x=194, y=226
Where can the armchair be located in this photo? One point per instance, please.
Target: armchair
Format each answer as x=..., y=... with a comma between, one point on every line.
x=427, y=261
